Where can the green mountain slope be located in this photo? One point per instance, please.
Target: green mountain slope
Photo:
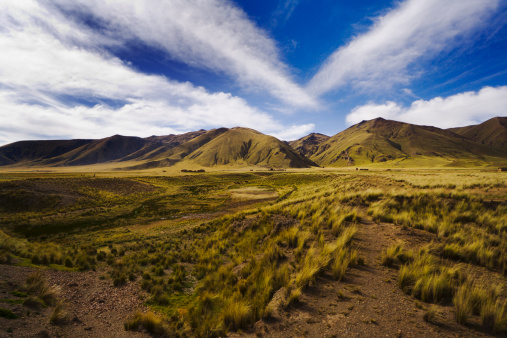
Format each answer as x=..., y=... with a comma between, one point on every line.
x=309, y=144
x=380, y=140
x=243, y=146
x=492, y=132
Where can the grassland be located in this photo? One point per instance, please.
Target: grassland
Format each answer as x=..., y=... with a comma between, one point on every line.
x=251, y=252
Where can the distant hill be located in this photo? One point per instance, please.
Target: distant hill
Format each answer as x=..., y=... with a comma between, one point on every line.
x=99, y=151
x=492, y=132
x=381, y=140
x=36, y=151
x=248, y=147
x=309, y=144
x=222, y=146
x=374, y=142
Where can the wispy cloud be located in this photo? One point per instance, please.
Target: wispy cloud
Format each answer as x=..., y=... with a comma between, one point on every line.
x=454, y=111
x=50, y=71
x=385, y=55
x=284, y=10
x=214, y=35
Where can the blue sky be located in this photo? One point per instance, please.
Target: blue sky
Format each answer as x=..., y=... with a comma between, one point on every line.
x=91, y=69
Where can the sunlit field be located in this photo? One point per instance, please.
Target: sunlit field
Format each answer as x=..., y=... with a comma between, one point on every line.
x=255, y=252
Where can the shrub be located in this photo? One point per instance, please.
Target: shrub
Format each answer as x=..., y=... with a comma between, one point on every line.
x=68, y=262
x=120, y=280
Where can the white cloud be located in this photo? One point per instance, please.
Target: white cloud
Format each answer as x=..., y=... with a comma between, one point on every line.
x=383, y=56
x=294, y=132
x=211, y=34
x=454, y=111
x=47, y=69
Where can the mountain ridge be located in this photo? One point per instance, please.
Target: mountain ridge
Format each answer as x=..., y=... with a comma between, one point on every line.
x=379, y=140
x=372, y=142
x=492, y=132
x=242, y=147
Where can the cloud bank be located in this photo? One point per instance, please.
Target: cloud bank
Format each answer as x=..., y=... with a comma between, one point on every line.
x=212, y=34
x=454, y=111
x=384, y=55
x=56, y=81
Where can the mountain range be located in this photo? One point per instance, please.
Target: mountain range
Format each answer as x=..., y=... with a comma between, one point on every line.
x=377, y=142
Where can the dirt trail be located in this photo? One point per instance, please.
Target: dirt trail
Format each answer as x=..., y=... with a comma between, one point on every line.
x=372, y=304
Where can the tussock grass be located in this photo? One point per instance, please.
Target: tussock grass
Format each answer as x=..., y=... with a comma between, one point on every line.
x=472, y=299
x=59, y=315
x=236, y=315
x=292, y=296
x=473, y=231
x=310, y=267
x=34, y=302
x=341, y=262
x=494, y=316
x=37, y=286
x=148, y=321
x=428, y=280
x=389, y=257
x=430, y=314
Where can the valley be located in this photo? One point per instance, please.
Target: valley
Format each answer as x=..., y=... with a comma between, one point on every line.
x=386, y=228
x=302, y=252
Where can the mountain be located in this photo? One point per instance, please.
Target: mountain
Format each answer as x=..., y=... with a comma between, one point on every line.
x=157, y=146
x=33, y=151
x=247, y=147
x=377, y=141
x=98, y=151
x=493, y=132
x=222, y=146
x=167, y=155
x=381, y=140
x=309, y=144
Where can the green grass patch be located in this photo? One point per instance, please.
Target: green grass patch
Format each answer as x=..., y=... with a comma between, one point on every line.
x=5, y=313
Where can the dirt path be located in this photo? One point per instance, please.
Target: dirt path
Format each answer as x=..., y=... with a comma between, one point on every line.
x=372, y=304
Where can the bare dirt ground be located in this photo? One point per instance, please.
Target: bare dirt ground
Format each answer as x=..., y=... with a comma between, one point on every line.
x=372, y=304
x=95, y=308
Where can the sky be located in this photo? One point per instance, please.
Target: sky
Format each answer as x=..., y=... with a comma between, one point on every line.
x=96, y=68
